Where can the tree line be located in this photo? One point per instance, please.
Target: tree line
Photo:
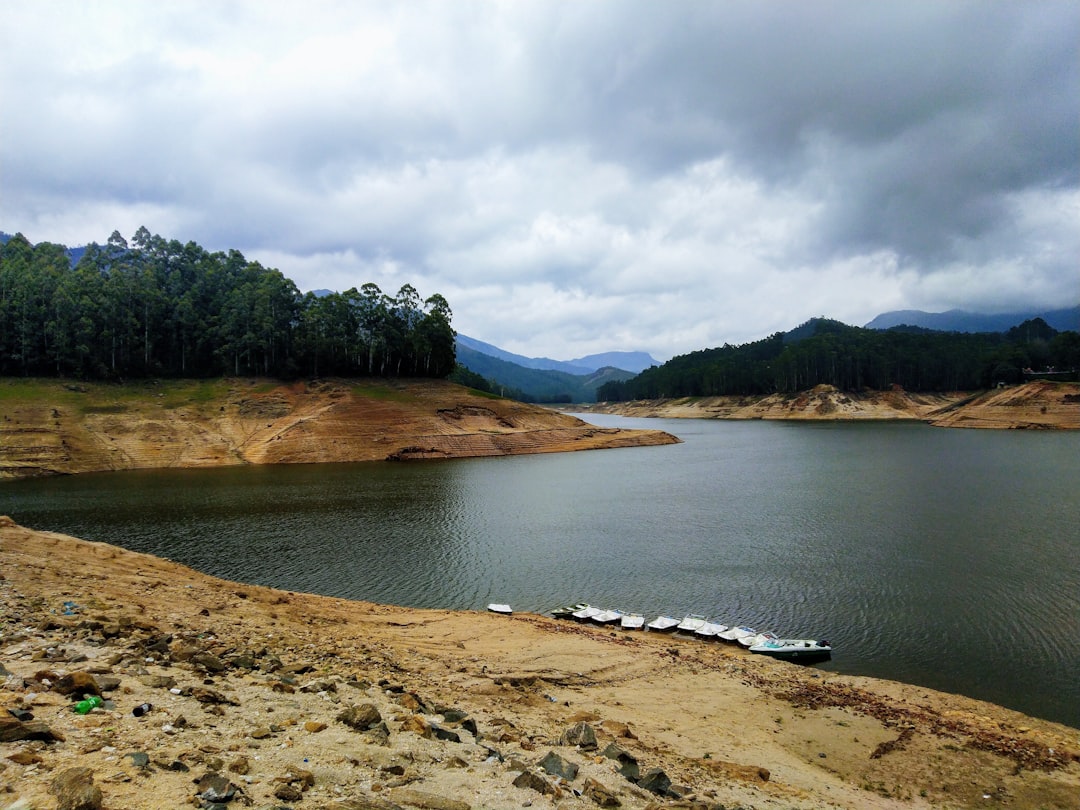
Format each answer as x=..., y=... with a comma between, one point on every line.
x=156, y=307
x=822, y=351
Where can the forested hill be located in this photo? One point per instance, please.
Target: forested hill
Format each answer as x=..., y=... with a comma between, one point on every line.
x=849, y=357
x=156, y=307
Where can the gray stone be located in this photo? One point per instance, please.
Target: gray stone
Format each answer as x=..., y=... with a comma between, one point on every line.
x=534, y=781
x=214, y=787
x=209, y=662
x=628, y=764
x=581, y=735
x=558, y=766
x=445, y=734
x=655, y=781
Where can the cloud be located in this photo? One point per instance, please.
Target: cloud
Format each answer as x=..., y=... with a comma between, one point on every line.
x=572, y=176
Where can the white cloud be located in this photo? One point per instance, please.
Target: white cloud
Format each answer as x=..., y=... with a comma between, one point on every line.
x=572, y=177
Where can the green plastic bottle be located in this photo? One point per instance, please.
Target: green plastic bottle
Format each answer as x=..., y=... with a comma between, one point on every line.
x=84, y=706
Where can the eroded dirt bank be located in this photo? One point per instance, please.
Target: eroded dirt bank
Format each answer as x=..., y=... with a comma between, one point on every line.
x=1036, y=405
x=51, y=427
x=283, y=699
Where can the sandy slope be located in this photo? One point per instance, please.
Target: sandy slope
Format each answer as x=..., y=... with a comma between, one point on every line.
x=260, y=678
x=49, y=426
x=1037, y=405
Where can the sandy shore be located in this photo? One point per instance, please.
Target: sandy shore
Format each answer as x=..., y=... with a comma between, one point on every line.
x=289, y=699
x=1037, y=405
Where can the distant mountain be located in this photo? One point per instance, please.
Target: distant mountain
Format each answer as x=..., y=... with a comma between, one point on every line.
x=635, y=362
x=958, y=320
x=540, y=385
x=73, y=254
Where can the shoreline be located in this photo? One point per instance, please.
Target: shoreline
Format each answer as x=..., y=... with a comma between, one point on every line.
x=56, y=427
x=1038, y=405
x=724, y=726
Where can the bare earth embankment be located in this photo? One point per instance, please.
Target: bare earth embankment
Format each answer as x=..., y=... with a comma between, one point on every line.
x=1035, y=405
x=280, y=699
x=54, y=427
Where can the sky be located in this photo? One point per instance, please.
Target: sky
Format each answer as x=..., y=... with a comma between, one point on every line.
x=574, y=177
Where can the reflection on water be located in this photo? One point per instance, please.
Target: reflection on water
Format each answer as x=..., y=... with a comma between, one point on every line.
x=942, y=557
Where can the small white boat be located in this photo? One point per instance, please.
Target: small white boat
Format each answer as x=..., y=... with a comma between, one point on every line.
x=567, y=611
x=760, y=638
x=691, y=623
x=632, y=621
x=803, y=650
x=736, y=633
x=710, y=630
x=586, y=613
x=496, y=608
x=607, y=616
x=663, y=624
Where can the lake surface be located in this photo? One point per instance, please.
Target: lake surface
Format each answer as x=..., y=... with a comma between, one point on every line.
x=947, y=558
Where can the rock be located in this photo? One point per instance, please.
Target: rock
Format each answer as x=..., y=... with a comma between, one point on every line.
x=618, y=729
x=241, y=765
x=655, y=781
x=558, y=766
x=204, y=694
x=213, y=787
x=12, y=730
x=208, y=661
x=600, y=794
x=107, y=683
x=628, y=764
x=445, y=734
x=361, y=718
x=426, y=801
x=158, y=681
x=534, y=781
x=77, y=684
x=288, y=793
x=314, y=726
x=25, y=758
x=362, y=803
x=417, y=725
x=74, y=789
x=319, y=686
x=139, y=759
x=579, y=734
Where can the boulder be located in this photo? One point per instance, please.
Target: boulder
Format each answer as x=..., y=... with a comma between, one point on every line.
x=581, y=735
x=74, y=789
x=77, y=684
x=361, y=718
x=534, y=781
x=560, y=767
x=656, y=781
x=600, y=794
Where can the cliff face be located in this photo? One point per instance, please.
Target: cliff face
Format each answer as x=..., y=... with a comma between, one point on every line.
x=1040, y=405
x=51, y=427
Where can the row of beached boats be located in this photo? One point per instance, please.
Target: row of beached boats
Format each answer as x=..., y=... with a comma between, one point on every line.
x=802, y=650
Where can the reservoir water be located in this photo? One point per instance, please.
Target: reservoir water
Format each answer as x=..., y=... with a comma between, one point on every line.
x=946, y=558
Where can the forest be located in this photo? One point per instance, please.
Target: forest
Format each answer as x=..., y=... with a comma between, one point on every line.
x=823, y=351
x=156, y=307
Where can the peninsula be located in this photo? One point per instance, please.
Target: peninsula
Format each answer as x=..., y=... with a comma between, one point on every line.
x=50, y=426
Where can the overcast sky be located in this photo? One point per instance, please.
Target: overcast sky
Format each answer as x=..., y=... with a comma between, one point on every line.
x=574, y=177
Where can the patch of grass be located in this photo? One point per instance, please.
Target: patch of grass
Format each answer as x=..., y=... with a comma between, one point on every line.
x=485, y=394
x=374, y=390
x=105, y=408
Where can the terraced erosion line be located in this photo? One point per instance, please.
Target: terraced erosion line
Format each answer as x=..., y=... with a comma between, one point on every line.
x=52, y=427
